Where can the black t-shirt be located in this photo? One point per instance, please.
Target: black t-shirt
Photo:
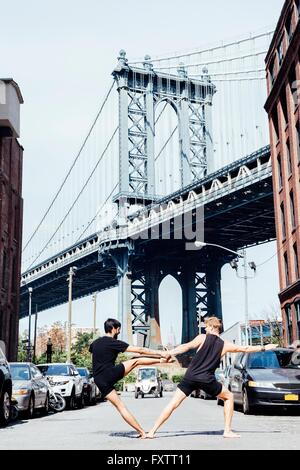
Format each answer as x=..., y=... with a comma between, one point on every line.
x=105, y=351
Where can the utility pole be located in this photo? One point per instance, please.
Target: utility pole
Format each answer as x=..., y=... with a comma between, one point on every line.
x=245, y=277
x=246, y=299
x=95, y=314
x=30, y=290
x=72, y=272
x=35, y=333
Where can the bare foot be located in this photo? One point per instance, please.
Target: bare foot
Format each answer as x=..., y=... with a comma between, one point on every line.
x=150, y=435
x=143, y=435
x=231, y=435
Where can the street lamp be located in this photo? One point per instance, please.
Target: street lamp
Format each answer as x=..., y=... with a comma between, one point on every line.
x=203, y=244
x=30, y=290
x=253, y=267
x=72, y=272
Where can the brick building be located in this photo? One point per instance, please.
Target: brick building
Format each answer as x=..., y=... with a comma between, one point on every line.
x=11, y=213
x=282, y=106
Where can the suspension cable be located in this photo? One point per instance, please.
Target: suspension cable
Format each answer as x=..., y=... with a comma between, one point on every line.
x=71, y=168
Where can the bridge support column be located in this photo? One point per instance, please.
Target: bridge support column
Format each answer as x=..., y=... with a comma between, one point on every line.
x=190, y=327
x=153, y=281
x=214, y=298
x=124, y=298
x=145, y=306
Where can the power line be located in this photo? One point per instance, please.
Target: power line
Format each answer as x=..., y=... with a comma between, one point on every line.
x=76, y=199
x=71, y=168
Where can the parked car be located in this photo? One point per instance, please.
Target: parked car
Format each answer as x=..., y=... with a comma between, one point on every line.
x=168, y=385
x=266, y=379
x=148, y=382
x=225, y=380
x=65, y=379
x=89, y=386
x=198, y=393
x=30, y=388
x=5, y=388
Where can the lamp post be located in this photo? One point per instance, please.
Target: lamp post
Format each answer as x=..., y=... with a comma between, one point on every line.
x=30, y=290
x=35, y=332
x=203, y=244
x=252, y=266
x=72, y=272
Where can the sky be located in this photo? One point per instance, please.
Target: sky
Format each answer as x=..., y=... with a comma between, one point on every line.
x=62, y=53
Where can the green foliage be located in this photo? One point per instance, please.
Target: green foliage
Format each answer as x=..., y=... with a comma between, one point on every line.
x=83, y=342
x=22, y=353
x=177, y=378
x=164, y=375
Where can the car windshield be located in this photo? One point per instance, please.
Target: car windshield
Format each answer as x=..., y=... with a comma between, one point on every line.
x=274, y=360
x=146, y=374
x=82, y=372
x=55, y=369
x=19, y=372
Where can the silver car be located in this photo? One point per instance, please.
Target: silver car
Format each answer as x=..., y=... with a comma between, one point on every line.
x=30, y=388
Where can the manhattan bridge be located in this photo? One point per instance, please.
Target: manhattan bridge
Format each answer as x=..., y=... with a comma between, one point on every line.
x=178, y=152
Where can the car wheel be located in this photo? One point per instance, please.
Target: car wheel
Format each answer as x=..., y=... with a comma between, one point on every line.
x=142, y=395
x=72, y=401
x=5, y=403
x=136, y=395
x=161, y=394
x=45, y=409
x=80, y=401
x=247, y=410
x=92, y=399
x=30, y=409
x=220, y=402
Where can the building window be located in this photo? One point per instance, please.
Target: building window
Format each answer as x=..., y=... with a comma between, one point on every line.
x=289, y=27
x=298, y=6
x=297, y=271
x=289, y=158
x=275, y=123
x=292, y=205
x=294, y=85
x=297, y=308
x=298, y=140
x=284, y=107
x=286, y=269
x=272, y=71
x=283, y=225
x=289, y=324
x=279, y=171
x=280, y=52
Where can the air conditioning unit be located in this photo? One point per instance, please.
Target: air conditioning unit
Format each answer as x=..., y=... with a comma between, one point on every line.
x=10, y=100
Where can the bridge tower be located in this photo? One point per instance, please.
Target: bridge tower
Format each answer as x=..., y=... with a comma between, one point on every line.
x=140, y=90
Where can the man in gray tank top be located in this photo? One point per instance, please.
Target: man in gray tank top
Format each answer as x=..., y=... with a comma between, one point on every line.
x=201, y=373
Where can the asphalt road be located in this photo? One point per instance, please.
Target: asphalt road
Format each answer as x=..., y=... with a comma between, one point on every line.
x=197, y=424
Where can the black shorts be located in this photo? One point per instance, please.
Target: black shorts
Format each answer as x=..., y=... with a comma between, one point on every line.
x=212, y=388
x=107, y=380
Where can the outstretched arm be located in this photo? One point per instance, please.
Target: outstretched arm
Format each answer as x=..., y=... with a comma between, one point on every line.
x=183, y=348
x=235, y=348
x=145, y=351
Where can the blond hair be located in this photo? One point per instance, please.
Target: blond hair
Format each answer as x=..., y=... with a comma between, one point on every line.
x=214, y=322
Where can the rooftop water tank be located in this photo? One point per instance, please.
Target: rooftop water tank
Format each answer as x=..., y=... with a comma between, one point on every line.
x=10, y=100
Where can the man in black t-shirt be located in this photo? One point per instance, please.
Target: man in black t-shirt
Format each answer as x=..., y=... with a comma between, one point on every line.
x=106, y=374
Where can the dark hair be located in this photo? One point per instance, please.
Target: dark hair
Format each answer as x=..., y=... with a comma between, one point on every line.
x=110, y=324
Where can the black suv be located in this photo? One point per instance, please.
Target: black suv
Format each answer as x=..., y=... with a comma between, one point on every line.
x=5, y=387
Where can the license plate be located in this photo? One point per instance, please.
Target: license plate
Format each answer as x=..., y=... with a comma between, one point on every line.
x=291, y=397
